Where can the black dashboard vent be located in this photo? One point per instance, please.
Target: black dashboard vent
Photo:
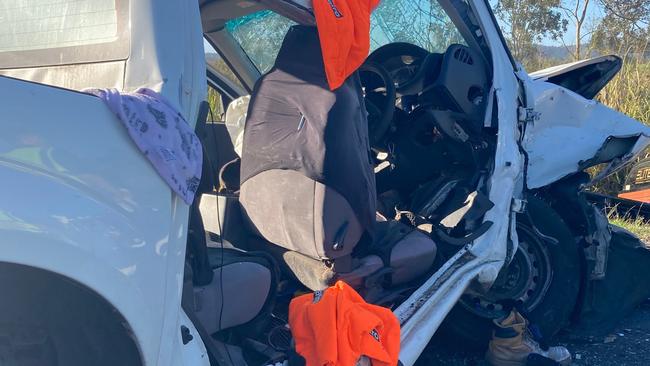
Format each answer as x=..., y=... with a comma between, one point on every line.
x=463, y=56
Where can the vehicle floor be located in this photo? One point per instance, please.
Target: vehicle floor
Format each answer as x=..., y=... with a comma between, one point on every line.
x=629, y=345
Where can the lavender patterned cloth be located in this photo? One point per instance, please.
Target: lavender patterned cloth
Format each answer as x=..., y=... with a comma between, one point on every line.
x=162, y=134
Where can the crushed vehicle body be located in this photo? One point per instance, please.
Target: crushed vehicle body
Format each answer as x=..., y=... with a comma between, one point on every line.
x=440, y=181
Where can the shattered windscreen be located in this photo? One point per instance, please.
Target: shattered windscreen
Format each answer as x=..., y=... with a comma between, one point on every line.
x=420, y=22
x=260, y=36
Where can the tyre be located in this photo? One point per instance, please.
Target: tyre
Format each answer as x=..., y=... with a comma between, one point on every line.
x=49, y=320
x=543, y=279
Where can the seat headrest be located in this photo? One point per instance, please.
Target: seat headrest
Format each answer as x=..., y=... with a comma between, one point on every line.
x=301, y=51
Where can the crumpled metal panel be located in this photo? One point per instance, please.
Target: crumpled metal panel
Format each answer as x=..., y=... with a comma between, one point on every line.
x=570, y=130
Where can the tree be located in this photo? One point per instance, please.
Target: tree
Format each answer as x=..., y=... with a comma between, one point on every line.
x=576, y=10
x=624, y=28
x=527, y=23
x=420, y=22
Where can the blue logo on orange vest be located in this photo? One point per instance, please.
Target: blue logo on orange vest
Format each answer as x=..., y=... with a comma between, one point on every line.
x=336, y=11
x=375, y=334
x=318, y=295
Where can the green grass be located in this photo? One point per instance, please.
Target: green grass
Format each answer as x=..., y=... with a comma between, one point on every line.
x=629, y=92
x=639, y=227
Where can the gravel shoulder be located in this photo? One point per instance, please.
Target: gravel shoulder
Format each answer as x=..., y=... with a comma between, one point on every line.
x=629, y=344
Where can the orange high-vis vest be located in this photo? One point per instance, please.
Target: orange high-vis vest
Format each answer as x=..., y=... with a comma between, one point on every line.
x=335, y=327
x=344, y=32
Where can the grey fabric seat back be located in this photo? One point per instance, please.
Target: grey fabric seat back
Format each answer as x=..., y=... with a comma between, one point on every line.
x=307, y=181
x=300, y=214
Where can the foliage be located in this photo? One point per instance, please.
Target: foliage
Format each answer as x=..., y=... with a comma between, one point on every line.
x=420, y=22
x=629, y=92
x=526, y=23
x=216, y=105
x=576, y=11
x=624, y=28
x=638, y=226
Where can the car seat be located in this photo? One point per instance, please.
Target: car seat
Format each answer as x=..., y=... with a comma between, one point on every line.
x=216, y=273
x=307, y=180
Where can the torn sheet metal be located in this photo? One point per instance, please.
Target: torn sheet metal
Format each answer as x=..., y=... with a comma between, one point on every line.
x=552, y=71
x=572, y=130
x=599, y=241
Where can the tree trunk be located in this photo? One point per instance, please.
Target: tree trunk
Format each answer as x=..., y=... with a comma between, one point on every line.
x=578, y=37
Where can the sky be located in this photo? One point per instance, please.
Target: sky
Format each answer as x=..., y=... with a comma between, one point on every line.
x=594, y=12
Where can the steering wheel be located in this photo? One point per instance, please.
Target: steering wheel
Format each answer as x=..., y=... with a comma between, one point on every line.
x=406, y=62
x=380, y=100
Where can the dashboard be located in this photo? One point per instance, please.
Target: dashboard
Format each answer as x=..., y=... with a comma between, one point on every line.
x=456, y=81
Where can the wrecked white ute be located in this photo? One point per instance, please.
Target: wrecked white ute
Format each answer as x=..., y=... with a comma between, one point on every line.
x=472, y=173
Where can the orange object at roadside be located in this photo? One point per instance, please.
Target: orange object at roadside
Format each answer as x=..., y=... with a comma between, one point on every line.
x=637, y=183
x=335, y=327
x=344, y=33
x=640, y=196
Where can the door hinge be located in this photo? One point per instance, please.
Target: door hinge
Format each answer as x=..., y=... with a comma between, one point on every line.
x=518, y=205
x=528, y=115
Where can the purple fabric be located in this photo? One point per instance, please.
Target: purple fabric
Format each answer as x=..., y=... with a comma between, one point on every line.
x=162, y=134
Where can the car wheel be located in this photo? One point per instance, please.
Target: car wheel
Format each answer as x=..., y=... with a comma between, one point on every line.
x=543, y=279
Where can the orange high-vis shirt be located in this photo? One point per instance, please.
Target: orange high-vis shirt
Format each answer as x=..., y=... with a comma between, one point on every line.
x=335, y=327
x=344, y=32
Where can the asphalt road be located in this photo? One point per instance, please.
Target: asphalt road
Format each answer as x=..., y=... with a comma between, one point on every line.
x=629, y=345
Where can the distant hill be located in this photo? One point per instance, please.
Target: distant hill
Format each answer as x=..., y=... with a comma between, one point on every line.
x=561, y=53
x=554, y=52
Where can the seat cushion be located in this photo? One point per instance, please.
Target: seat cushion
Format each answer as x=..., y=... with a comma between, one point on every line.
x=401, y=255
x=297, y=213
x=234, y=269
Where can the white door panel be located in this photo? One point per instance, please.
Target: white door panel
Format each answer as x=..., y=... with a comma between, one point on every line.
x=80, y=199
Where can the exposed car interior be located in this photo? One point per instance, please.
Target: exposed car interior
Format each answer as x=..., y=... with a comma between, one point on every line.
x=379, y=194
x=449, y=210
